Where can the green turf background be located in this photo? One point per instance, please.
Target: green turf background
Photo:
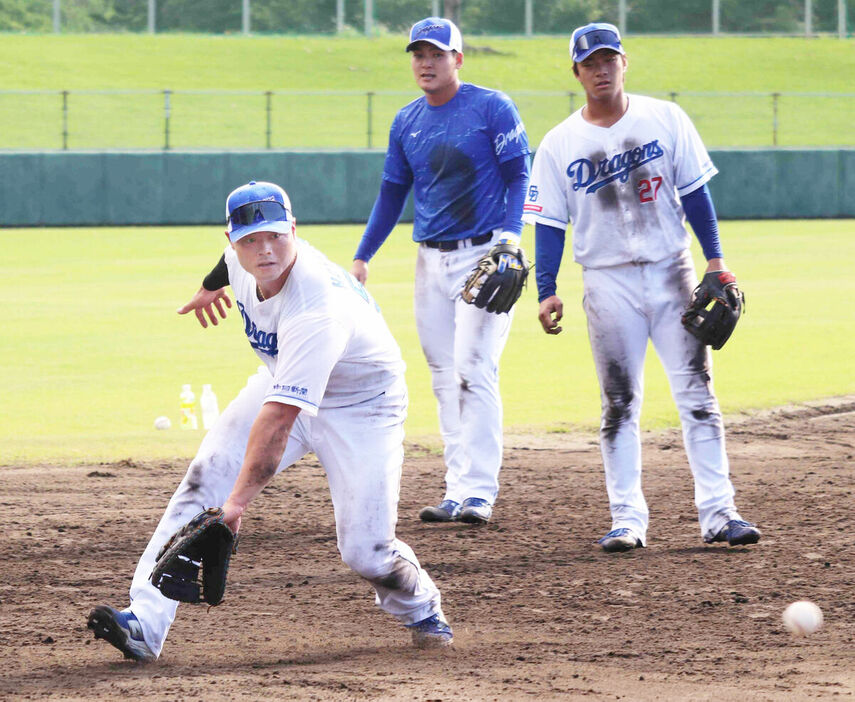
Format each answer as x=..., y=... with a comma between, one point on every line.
x=658, y=65
x=92, y=349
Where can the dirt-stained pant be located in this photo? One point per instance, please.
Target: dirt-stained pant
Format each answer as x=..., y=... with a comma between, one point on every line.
x=626, y=305
x=361, y=450
x=462, y=345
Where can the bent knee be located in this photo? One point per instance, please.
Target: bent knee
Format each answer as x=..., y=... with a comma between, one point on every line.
x=206, y=478
x=382, y=567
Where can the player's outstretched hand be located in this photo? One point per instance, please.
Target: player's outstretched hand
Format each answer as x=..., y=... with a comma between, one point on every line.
x=551, y=312
x=204, y=302
x=232, y=515
x=359, y=270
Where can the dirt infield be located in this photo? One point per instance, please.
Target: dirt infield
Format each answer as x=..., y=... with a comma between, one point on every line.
x=538, y=611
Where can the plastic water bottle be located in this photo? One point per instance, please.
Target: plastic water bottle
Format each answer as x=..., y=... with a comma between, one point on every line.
x=188, y=408
x=210, y=410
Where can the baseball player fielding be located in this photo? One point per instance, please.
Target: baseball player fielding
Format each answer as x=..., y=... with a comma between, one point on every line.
x=332, y=382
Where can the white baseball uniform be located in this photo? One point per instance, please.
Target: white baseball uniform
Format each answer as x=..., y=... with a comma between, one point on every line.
x=327, y=350
x=619, y=187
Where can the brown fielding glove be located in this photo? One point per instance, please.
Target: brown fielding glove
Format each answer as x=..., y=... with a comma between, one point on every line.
x=715, y=308
x=497, y=291
x=205, y=542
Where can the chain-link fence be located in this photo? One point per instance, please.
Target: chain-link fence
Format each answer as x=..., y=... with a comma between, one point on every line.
x=200, y=119
x=523, y=17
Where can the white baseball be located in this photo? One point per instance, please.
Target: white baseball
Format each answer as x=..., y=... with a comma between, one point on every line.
x=162, y=423
x=802, y=618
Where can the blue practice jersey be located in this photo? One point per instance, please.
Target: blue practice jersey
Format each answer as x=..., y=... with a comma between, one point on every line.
x=451, y=156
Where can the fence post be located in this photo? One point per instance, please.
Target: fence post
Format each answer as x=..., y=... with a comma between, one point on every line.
x=369, y=111
x=841, y=19
x=716, y=17
x=65, y=120
x=673, y=97
x=339, y=16
x=572, y=102
x=434, y=8
x=775, y=97
x=369, y=18
x=166, y=110
x=622, y=16
x=57, y=16
x=152, y=14
x=529, y=17
x=244, y=17
x=808, y=18
x=268, y=106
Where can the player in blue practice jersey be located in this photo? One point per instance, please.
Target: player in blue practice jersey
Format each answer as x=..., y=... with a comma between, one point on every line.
x=464, y=152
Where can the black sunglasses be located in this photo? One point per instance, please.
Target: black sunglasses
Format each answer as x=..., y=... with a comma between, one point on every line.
x=266, y=211
x=596, y=37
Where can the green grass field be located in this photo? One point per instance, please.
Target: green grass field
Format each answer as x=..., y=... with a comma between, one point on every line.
x=658, y=66
x=93, y=351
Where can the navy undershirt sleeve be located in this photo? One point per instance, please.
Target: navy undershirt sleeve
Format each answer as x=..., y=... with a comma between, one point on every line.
x=700, y=212
x=384, y=216
x=515, y=173
x=548, y=249
x=218, y=277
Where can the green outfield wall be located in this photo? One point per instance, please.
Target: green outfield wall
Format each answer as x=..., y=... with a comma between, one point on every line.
x=181, y=187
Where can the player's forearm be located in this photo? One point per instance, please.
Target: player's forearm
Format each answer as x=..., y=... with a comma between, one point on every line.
x=218, y=277
x=548, y=249
x=267, y=440
x=700, y=212
x=384, y=216
x=515, y=174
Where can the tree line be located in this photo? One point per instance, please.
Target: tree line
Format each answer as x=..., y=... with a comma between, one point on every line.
x=475, y=16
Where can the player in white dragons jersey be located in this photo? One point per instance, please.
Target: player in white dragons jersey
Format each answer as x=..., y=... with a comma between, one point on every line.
x=624, y=170
x=332, y=383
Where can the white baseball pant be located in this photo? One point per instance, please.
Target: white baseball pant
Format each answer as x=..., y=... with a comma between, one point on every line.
x=361, y=450
x=462, y=345
x=626, y=305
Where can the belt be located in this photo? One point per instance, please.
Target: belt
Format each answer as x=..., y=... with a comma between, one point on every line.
x=454, y=244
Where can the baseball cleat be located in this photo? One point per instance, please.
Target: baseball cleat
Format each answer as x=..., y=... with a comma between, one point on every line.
x=433, y=632
x=123, y=630
x=445, y=512
x=619, y=540
x=474, y=510
x=737, y=533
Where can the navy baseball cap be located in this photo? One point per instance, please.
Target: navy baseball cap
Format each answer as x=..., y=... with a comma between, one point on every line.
x=437, y=31
x=593, y=37
x=258, y=207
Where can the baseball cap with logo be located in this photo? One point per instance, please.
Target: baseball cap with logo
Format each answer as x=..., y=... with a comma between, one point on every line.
x=258, y=207
x=438, y=31
x=593, y=37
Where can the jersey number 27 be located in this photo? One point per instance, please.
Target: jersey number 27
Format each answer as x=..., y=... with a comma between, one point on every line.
x=646, y=187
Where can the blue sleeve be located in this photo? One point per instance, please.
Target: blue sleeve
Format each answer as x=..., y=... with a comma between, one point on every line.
x=396, y=167
x=548, y=249
x=700, y=212
x=507, y=130
x=515, y=174
x=384, y=216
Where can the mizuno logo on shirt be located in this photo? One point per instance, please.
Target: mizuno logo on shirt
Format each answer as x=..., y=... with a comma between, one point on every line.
x=594, y=175
x=415, y=134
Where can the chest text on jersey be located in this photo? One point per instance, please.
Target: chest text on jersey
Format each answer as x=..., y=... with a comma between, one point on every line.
x=594, y=175
x=260, y=340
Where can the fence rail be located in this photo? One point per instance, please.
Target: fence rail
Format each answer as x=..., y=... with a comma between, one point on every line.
x=280, y=119
x=806, y=17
